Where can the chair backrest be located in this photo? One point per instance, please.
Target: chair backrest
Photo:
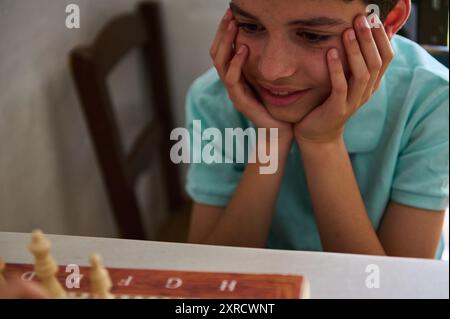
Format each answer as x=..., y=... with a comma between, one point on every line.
x=91, y=66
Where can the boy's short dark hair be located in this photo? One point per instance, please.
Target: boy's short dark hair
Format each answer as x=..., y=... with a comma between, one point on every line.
x=385, y=6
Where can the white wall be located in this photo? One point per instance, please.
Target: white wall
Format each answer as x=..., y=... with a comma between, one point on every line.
x=48, y=173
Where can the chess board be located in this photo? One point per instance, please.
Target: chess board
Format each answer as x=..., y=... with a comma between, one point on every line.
x=166, y=284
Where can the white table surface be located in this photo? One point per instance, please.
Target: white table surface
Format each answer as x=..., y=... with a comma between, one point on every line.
x=330, y=275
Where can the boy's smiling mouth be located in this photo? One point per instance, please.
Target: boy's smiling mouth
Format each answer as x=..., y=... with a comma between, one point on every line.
x=280, y=96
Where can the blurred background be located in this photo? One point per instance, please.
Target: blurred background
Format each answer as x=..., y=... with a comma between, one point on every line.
x=50, y=175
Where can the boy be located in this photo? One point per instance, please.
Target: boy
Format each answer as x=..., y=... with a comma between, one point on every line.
x=362, y=120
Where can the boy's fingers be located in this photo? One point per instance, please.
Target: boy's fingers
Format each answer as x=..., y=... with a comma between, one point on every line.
x=234, y=76
x=224, y=52
x=384, y=48
x=220, y=31
x=370, y=53
x=235, y=70
x=240, y=93
x=339, y=84
x=360, y=73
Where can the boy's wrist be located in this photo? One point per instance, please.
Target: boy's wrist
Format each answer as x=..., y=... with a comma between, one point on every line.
x=282, y=138
x=309, y=146
x=286, y=137
x=285, y=143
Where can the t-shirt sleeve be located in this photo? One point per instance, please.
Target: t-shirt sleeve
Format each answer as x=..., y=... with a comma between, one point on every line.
x=211, y=184
x=422, y=172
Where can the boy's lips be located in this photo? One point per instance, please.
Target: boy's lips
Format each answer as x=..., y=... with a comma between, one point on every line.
x=280, y=96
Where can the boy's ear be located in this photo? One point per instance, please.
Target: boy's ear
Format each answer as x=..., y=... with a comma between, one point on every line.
x=397, y=18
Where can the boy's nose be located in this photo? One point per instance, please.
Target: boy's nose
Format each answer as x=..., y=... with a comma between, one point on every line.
x=275, y=63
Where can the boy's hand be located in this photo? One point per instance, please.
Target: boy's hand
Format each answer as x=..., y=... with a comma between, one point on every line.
x=369, y=54
x=229, y=65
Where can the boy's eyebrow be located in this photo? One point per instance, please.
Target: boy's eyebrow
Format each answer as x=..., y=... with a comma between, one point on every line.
x=312, y=22
x=318, y=22
x=236, y=10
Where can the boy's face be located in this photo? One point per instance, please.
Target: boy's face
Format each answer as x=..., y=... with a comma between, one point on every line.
x=293, y=56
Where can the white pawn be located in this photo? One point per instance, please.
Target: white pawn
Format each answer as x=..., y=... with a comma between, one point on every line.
x=2, y=269
x=101, y=283
x=45, y=266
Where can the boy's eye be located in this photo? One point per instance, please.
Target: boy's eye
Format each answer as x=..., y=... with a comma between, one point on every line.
x=310, y=37
x=313, y=37
x=250, y=27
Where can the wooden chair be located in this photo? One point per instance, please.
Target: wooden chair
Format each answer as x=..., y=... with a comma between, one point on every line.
x=91, y=66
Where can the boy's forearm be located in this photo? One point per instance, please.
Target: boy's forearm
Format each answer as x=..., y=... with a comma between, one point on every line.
x=341, y=216
x=247, y=219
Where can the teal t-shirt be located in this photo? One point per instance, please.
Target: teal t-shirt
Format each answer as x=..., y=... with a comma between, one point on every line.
x=397, y=142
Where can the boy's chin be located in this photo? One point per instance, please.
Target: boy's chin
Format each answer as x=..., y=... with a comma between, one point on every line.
x=289, y=114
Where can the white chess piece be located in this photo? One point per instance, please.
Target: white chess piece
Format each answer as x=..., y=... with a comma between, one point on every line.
x=45, y=266
x=100, y=281
x=2, y=269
